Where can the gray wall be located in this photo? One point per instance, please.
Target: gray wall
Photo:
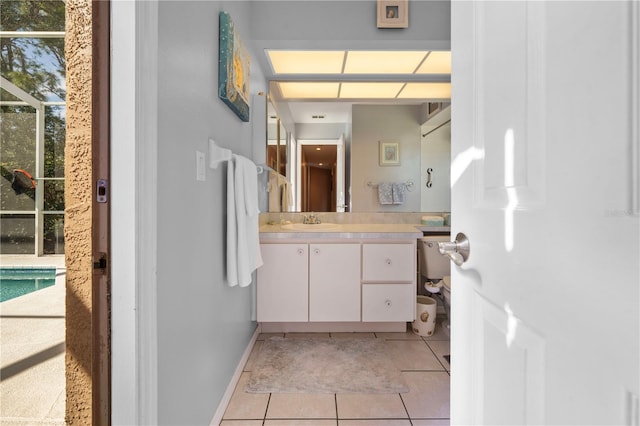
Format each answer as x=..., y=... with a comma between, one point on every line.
x=348, y=24
x=372, y=123
x=203, y=325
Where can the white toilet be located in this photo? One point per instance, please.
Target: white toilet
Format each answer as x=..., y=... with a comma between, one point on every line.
x=435, y=271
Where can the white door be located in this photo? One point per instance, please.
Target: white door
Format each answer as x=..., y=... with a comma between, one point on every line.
x=545, y=315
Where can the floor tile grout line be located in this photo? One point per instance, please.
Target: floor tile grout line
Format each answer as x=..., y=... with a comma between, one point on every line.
x=266, y=409
x=373, y=418
x=423, y=371
x=436, y=355
x=405, y=408
x=296, y=418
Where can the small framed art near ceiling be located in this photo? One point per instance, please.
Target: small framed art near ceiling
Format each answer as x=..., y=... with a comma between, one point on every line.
x=393, y=13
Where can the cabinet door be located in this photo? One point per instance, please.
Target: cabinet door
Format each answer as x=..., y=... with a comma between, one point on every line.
x=283, y=288
x=334, y=282
x=388, y=262
x=388, y=302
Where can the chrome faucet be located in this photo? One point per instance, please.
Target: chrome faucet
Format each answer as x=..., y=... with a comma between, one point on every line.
x=311, y=219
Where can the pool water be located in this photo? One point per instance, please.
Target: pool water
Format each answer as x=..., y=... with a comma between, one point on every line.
x=16, y=282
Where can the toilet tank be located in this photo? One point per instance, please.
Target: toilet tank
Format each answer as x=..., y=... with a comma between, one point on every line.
x=433, y=265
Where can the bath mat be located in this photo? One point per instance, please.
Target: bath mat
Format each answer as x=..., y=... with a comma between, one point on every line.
x=320, y=365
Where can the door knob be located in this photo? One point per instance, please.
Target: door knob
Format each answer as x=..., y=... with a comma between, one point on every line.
x=457, y=250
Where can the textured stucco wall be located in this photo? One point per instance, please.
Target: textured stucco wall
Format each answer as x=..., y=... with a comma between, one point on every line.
x=78, y=212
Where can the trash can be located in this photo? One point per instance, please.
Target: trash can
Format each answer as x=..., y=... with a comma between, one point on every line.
x=425, y=322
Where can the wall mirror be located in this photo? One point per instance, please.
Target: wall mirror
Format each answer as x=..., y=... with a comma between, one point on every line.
x=334, y=138
x=425, y=156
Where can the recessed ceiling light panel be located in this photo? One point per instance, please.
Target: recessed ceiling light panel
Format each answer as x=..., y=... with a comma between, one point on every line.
x=306, y=61
x=308, y=90
x=438, y=62
x=383, y=62
x=373, y=90
x=426, y=91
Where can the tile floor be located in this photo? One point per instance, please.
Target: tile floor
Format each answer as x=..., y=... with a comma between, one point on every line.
x=32, y=350
x=423, y=367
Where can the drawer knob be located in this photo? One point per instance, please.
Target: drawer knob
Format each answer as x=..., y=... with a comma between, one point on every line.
x=388, y=261
x=317, y=251
x=387, y=302
x=300, y=251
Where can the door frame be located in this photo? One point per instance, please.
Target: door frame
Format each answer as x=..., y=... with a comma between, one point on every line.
x=134, y=124
x=100, y=229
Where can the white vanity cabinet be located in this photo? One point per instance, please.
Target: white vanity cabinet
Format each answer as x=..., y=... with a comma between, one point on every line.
x=388, y=282
x=334, y=282
x=354, y=278
x=283, y=291
x=309, y=282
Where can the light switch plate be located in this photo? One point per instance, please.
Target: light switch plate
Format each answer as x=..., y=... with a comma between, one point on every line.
x=200, y=166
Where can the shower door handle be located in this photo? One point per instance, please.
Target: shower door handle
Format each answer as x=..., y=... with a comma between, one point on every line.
x=457, y=250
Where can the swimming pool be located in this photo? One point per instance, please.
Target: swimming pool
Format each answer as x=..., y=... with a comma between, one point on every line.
x=16, y=282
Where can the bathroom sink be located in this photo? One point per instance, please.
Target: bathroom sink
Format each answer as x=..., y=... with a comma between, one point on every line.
x=310, y=226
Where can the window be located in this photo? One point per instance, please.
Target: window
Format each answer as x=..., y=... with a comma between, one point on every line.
x=32, y=127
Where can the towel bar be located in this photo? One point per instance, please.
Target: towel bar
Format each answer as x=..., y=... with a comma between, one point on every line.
x=217, y=154
x=409, y=184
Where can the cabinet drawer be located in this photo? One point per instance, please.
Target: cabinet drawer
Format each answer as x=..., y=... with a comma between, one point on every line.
x=388, y=302
x=388, y=262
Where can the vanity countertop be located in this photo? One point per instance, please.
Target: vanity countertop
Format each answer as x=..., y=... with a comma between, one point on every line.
x=346, y=230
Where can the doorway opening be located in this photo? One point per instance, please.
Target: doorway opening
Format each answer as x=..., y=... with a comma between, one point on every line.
x=318, y=177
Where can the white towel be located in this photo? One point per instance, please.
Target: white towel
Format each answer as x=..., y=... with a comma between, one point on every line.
x=274, y=192
x=385, y=195
x=399, y=193
x=285, y=195
x=243, y=239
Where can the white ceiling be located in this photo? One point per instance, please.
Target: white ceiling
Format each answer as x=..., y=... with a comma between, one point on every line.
x=334, y=112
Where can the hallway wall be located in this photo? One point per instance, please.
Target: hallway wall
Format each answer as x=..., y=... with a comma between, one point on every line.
x=203, y=324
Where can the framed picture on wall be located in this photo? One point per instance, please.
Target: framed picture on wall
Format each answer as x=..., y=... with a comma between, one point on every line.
x=389, y=153
x=393, y=13
x=233, y=69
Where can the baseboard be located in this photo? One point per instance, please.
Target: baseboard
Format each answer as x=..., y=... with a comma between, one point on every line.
x=335, y=327
x=217, y=416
